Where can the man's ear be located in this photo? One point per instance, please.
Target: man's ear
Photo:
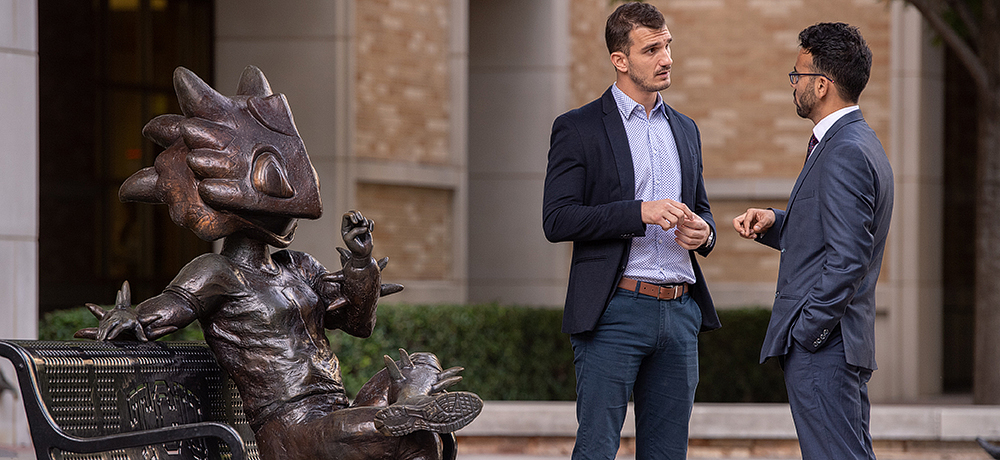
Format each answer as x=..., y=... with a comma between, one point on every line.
x=620, y=61
x=823, y=87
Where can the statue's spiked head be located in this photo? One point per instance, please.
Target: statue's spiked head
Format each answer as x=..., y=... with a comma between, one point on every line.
x=231, y=164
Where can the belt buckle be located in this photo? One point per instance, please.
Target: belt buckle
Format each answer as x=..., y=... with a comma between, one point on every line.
x=676, y=291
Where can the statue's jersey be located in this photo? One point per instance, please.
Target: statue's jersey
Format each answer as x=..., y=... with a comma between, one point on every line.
x=266, y=329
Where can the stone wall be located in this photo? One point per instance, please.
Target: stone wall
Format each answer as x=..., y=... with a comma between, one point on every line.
x=412, y=224
x=731, y=58
x=403, y=97
x=402, y=86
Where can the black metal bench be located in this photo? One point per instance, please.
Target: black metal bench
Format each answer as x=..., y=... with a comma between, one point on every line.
x=124, y=400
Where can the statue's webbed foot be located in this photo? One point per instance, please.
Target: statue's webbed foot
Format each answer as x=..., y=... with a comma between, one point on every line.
x=441, y=413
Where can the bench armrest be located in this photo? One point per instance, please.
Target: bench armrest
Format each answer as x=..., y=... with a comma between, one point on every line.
x=79, y=445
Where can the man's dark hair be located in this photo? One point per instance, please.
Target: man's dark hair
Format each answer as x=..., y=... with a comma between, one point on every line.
x=626, y=17
x=840, y=52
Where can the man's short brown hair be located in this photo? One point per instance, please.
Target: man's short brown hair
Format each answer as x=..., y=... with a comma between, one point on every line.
x=626, y=17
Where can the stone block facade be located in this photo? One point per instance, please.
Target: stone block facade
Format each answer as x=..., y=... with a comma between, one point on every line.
x=731, y=58
x=402, y=83
x=403, y=115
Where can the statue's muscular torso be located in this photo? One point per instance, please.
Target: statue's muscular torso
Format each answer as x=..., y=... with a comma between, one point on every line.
x=265, y=328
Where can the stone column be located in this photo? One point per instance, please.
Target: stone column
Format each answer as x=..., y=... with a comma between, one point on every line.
x=518, y=83
x=18, y=195
x=908, y=324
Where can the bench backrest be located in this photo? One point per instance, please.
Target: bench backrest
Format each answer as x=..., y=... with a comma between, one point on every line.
x=96, y=389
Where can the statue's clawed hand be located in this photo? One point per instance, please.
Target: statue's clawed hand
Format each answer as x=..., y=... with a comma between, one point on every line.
x=120, y=319
x=357, y=233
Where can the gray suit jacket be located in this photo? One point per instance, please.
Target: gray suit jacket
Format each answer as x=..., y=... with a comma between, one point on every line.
x=831, y=237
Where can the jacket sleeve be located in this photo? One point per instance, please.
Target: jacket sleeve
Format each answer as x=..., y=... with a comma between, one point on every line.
x=701, y=206
x=574, y=208
x=770, y=237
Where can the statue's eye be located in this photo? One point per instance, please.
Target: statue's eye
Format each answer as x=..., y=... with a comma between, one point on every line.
x=269, y=177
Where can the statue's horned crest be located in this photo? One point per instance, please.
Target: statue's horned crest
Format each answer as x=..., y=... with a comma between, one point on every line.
x=231, y=164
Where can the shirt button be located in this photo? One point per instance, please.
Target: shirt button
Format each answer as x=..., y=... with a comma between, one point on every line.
x=776, y=293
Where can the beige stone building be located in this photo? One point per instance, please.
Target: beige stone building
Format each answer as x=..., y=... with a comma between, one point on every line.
x=432, y=117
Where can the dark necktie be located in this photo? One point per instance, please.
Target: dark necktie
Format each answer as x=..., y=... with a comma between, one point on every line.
x=812, y=144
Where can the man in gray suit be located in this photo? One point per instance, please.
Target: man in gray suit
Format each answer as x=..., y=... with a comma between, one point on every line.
x=831, y=237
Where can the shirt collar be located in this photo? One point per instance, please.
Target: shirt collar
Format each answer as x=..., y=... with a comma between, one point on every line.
x=627, y=105
x=827, y=122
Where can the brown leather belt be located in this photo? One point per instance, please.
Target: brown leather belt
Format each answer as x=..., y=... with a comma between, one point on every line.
x=662, y=292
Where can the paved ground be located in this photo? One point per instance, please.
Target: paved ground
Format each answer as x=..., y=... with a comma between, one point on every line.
x=8, y=452
x=529, y=457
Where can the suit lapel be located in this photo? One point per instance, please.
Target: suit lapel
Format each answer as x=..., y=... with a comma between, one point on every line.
x=820, y=148
x=686, y=154
x=619, y=145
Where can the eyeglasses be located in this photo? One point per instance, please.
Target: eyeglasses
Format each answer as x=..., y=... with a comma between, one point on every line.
x=794, y=76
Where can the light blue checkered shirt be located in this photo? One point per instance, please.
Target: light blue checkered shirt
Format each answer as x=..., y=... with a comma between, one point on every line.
x=656, y=257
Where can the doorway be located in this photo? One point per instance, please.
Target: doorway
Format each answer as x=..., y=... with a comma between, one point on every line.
x=105, y=69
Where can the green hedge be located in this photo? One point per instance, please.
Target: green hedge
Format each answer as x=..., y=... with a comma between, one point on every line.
x=513, y=353
x=509, y=353
x=729, y=357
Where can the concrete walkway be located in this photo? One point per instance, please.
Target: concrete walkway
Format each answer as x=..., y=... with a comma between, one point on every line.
x=889, y=422
x=729, y=431
x=522, y=430
x=529, y=457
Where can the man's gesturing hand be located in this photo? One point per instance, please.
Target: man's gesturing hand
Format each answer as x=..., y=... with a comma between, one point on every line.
x=753, y=222
x=692, y=233
x=665, y=213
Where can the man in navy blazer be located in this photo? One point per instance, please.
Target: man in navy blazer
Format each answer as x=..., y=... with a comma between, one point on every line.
x=831, y=237
x=624, y=184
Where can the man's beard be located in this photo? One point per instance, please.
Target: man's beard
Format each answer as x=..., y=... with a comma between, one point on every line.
x=805, y=105
x=648, y=87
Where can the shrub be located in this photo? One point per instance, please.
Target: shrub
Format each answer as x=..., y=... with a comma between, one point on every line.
x=512, y=353
x=509, y=353
x=729, y=361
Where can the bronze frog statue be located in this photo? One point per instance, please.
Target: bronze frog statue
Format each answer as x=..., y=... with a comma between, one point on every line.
x=236, y=168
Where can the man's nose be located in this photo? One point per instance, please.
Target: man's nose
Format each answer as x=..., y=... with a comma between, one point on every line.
x=665, y=59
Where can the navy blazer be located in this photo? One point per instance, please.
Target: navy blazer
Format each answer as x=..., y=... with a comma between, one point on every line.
x=590, y=200
x=831, y=238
